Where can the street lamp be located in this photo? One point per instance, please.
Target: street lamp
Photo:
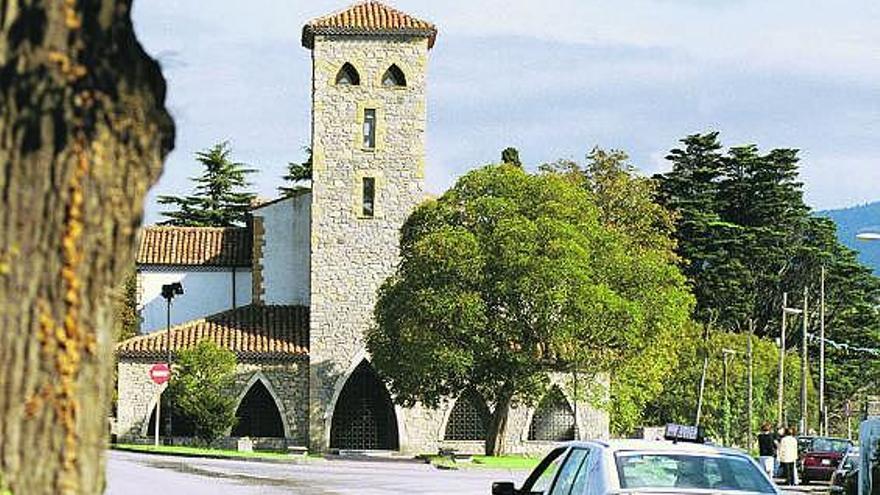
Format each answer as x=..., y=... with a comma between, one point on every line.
x=785, y=312
x=169, y=291
x=726, y=355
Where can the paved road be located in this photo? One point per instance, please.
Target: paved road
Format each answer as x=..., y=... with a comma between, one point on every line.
x=142, y=474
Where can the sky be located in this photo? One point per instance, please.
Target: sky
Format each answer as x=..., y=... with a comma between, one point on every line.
x=553, y=78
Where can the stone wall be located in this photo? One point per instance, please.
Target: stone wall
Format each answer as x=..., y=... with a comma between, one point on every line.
x=353, y=254
x=424, y=428
x=287, y=381
x=136, y=397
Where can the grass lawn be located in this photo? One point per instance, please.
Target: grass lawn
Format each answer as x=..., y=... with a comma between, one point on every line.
x=506, y=462
x=513, y=462
x=197, y=451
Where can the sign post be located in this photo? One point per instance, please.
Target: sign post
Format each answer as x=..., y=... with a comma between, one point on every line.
x=159, y=373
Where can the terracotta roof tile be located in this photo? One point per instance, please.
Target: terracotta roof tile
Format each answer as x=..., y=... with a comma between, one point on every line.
x=249, y=331
x=201, y=246
x=369, y=17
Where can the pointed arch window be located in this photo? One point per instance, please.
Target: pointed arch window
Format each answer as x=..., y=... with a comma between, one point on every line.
x=469, y=418
x=348, y=76
x=554, y=419
x=393, y=77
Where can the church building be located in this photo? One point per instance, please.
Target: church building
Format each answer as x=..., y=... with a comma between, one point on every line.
x=292, y=293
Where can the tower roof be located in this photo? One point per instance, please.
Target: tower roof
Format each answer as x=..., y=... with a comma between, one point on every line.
x=366, y=18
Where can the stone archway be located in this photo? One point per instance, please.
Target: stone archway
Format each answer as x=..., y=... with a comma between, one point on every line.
x=258, y=414
x=553, y=419
x=364, y=417
x=180, y=426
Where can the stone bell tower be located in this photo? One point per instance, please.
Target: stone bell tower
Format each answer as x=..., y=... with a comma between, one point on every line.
x=368, y=145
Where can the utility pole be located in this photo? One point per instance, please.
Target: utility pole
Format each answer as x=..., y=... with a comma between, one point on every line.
x=823, y=414
x=780, y=420
x=804, y=368
x=751, y=383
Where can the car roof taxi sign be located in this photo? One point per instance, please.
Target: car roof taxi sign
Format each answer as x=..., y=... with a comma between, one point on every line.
x=684, y=433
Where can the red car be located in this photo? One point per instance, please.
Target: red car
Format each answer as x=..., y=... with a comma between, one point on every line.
x=821, y=457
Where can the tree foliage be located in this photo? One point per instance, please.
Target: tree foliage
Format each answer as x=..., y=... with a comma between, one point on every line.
x=678, y=401
x=507, y=277
x=627, y=205
x=510, y=156
x=745, y=236
x=219, y=199
x=298, y=174
x=128, y=319
x=199, y=389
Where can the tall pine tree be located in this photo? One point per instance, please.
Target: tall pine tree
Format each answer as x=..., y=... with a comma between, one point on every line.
x=746, y=236
x=219, y=199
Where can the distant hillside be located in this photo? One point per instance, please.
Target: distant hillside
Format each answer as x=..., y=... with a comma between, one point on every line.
x=851, y=221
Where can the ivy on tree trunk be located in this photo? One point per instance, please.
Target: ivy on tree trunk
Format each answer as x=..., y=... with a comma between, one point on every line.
x=83, y=132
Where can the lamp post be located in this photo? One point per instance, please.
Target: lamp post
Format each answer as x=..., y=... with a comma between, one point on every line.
x=785, y=311
x=803, y=425
x=169, y=291
x=823, y=414
x=751, y=396
x=726, y=355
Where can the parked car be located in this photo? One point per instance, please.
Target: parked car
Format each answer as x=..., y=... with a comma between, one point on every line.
x=821, y=457
x=845, y=480
x=642, y=466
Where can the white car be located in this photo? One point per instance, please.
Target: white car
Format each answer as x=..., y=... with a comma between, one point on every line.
x=642, y=466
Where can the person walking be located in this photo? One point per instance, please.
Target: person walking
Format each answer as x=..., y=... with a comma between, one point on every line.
x=767, y=449
x=788, y=455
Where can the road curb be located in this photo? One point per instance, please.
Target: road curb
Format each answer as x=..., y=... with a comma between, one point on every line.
x=263, y=460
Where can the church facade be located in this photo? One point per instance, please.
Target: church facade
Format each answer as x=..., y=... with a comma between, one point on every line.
x=311, y=264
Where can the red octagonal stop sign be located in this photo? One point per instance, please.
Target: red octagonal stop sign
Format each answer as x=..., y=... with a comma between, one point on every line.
x=160, y=373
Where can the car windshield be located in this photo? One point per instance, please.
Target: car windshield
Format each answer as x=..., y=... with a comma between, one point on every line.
x=664, y=471
x=829, y=445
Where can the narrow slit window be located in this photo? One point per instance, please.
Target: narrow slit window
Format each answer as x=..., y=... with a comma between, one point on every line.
x=370, y=128
x=369, y=197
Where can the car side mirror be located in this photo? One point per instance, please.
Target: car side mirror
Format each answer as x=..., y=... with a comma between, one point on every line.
x=503, y=488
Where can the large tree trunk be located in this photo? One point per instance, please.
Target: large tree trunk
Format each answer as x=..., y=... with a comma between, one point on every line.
x=496, y=441
x=83, y=132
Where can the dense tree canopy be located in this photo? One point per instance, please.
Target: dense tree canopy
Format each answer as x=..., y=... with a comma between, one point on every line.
x=678, y=401
x=745, y=236
x=219, y=199
x=509, y=276
x=627, y=205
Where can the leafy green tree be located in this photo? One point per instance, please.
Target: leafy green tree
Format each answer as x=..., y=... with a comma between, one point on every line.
x=219, y=199
x=508, y=277
x=510, y=156
x=678, y=401
x=627, y=205
x=199, y=389
x=297, y=175
x=127, y=318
